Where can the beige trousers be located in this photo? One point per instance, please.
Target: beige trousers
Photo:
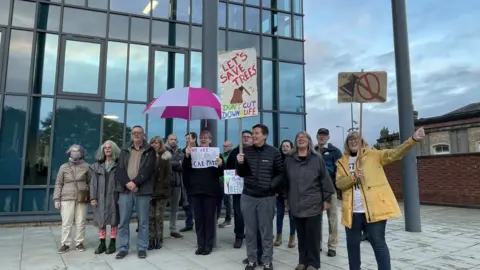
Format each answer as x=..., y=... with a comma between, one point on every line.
x=332, y=214
x=73, y=212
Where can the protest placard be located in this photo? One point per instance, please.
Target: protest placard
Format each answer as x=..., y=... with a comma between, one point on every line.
x=204, y=157
x=233, y=184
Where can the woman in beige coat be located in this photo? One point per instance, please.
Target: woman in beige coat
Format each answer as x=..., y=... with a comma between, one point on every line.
x=71, y=196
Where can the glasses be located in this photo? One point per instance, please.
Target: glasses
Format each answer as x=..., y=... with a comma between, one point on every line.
x=352, y=140
x=136, y=133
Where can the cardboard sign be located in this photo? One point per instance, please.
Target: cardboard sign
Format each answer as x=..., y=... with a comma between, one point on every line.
x=204, y=157
x=233, y=184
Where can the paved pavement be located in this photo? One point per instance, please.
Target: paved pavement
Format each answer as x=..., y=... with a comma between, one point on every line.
x=450, y=240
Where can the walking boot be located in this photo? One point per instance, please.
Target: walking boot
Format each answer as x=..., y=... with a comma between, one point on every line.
x=278, y=240
x=112, y=247
x=101, y=247
x=158, y=243
x=151, y=244
x=291, y=241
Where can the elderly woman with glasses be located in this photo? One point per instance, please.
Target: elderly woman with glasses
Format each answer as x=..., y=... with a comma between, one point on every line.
x=71, y=196
x=309, y=191
x=103, y=196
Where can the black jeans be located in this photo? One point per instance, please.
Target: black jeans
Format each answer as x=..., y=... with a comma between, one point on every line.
x=309, y=234
x=204, y=208
x=189, y=213
x=376, y=235
x=239, y=225
x=227, y=201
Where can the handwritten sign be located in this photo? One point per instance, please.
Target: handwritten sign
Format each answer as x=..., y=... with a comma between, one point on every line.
x=204, y=157
x=238, y=83
x=233, y=184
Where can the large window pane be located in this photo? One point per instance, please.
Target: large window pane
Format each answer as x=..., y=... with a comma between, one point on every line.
x=179, y=70
x=268, y=121
x=75, y=2
x=81, y=70
x=235, y=17
x=38, y=141
x=267, y=22
x=283, y=24
x=298, y=27
x=76, y=122
x=45, y=68
x=11, y=139
x=113, y=122
x=289, y=126
x=196, y=38
x=19, y=61
x=267, y=85
x=283, y=5
x=133, y=7
x=291, y=87
x=118, y=27
x=291, y=50
x=222, y=14
x=196, y=69
x=140, y=30
x=241, y=41
x=101, y=4
x=135, y=117
x=222, y=46
x=116, y=70
x=160, y=73
x=197, y=11
x=48, y=17
x=160, y=32
x=297, y=6
x=23, y=14
x=156, y=127
x=33, y=200
x=252, y=19
x=183, y=11
x=4, y=11
x=8, y=200
x=182, y=35
x=161, y=9
x=267, y=49
x=75, y=22
x=266, y=3
x=138, y=73
x=180, y=129
x=252, y=2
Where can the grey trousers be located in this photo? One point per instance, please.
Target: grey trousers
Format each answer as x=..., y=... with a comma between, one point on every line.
x=258, y=215
x=175, y=195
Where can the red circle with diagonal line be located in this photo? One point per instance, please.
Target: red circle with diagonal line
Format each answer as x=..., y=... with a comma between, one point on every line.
x=364, y=87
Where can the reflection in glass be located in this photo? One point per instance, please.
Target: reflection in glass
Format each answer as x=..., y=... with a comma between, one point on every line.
x=75, y=2
x=238, y=41
x=76, y=122
x=81, y=69
x=160, y=32
x=11, y=139
x=138, y=73
x=291, y=87
x=135, y=117
x=23, y=14
x=233, y=134
x=101, y=4
x=298, y=27
x=8, y=200
x=290, y=125
x=132, y=7
x=179, y=69
x=268, y=121
x=297, y=6
x=253, y=2
x=182, y=35
x=48, y=17
x=267, y=85
x=197, y=12
x=196, y=38
x=156, y=127
x=118, y=27
x=221, y=132
x=183, y=11
x=222, y=46
x=113, y=121
x=235, y=17
x=19, y=61
x=237, y=1
x=51, y=206
x=283, y=5
x=45, y=63
x=266, y=3
x=115, y=83
x=222, y=14
x=140, y=30
x=267, y=47
x=33, y=200
x=283, y=24
x=160, y=73
x=252, y=19
x=291, y=50
x=267, y=22
x=38, y=141
x=74, y=22
x=161, y=9
x=195, y=69
x=4, y=12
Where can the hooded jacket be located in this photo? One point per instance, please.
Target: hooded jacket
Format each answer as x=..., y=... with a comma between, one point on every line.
x=163, y=176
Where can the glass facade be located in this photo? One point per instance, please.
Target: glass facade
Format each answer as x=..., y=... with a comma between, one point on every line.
x=82, y=71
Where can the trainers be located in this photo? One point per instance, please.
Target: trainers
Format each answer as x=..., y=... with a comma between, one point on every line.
x=176, y=235
x=80, y=247
x=238, y=243
x=122, y=254
x=63, y=249
x=225, y=224
x=142, y=254
x=250, y=266
x=268, y=266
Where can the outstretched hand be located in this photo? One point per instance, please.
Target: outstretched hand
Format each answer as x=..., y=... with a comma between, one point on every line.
x=419, y=134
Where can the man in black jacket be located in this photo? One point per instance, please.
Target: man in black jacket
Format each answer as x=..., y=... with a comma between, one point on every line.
x=134, y=183
x=261, y=167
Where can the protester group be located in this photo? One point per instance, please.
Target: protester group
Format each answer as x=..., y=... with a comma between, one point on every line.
x=300, y=178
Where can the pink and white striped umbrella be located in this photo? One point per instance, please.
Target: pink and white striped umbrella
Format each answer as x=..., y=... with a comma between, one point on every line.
x=187, y=103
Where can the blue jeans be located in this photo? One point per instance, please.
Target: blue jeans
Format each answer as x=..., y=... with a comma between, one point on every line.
x=281, y=215
x=376, y=235
x=126, y=202
x=189, y=213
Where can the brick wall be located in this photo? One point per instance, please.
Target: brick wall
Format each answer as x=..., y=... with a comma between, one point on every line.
x=443, y=179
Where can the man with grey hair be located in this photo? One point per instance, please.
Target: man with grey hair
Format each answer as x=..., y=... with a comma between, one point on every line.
x=136, y=165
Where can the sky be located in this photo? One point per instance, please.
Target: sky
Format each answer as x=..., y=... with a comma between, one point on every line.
x=350, y=35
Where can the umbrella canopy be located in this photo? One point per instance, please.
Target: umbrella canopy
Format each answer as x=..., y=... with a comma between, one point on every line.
x=187, y=103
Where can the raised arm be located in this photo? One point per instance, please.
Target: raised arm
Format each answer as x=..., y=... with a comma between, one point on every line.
x=388, y=156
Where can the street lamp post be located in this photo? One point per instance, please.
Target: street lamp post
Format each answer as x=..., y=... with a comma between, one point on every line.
x=343, y=133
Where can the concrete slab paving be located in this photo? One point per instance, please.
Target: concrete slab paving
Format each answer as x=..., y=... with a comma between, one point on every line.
x=450, y=240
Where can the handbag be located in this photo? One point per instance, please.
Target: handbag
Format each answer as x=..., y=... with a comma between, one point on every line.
x=83, y=196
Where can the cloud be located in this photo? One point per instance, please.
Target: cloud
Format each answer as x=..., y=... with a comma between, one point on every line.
x=347, y=36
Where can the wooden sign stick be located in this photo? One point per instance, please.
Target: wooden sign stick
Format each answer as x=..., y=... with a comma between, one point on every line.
x=240, y=145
